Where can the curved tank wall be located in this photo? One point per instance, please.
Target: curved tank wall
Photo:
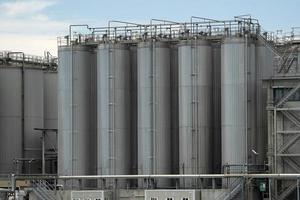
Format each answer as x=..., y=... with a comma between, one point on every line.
x=264, y=70
x=51, y=116
x=216, y=147
x=10, y=118
x=195, y=108
x=114, y=110
x=238, y=94
x=174, y=108
x=154, y=115
x=134, y=114
x=34, y=116
x=76, y=125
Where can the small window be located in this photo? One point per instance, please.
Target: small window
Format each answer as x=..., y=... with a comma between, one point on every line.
x=170, y=198
x=97, y=199
x=75, y=198
x=153, y=198
x=185, y=198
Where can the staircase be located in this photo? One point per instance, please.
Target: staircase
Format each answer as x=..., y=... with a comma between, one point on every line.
x=287, y=59
x=235, y=188
x=287, y=191
x=43, y=190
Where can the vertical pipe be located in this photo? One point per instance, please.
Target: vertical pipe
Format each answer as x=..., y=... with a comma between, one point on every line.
x=275, y=140
x=43, y=152
x=246, y=98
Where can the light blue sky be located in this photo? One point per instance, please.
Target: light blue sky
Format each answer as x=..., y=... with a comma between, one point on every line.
x=33, y=25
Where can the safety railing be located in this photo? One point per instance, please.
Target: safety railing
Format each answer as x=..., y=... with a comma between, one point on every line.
x=166, y=30
x=7, y=56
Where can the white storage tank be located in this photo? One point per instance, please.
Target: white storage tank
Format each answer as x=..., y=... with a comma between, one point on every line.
x=264, y=71
x=195, y=108
x=10, y=117
x=154, y=114
x=114, y=109
x=26, y=142
x=76, y=111
x=238, y=93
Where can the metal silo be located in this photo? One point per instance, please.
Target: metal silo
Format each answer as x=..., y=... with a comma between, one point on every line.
x=195, y=107
x=238, y=79
x=114, y=109
x=154, y=114
x=34, y=115
x=76, y=125
x=216, y=147
x=264, y=70
x=51, y=116
x=10, y=117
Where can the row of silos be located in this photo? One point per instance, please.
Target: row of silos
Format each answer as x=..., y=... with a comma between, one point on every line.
x=161, y=107
x=26, y=104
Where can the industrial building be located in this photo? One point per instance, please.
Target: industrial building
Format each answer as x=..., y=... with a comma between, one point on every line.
x=197, y=110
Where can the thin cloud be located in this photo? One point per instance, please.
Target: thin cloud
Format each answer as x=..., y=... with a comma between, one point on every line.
x=26, y=27
x=19, y=8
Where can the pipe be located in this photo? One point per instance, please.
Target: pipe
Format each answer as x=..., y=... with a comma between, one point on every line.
x=204, y=19
x=164, y=21
x=171, y=176
x=121, y=22
x=76, y=25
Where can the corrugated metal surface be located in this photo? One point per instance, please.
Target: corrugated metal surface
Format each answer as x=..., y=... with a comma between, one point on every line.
x=34, y=116
x=216, y=147
x=75, y=111
x=154, y=115
x=10, y=118
x=114, y=109
x=195, y=107
x=234, y=101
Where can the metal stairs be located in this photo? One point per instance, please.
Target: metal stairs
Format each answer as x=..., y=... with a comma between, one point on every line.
x=287, y=191
x=43, y=190
x=235, y=188
x=287, y=59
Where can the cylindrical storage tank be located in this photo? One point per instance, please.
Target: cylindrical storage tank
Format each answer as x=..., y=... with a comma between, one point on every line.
x=76, y=125
x=216, y=147
x=51, y=117
x=238, y=103
x=26, y=142
x=195, y=108
x=10, y=118
x=154, y=114
x=114, y=109
x=34, y=116
x=264, y=71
